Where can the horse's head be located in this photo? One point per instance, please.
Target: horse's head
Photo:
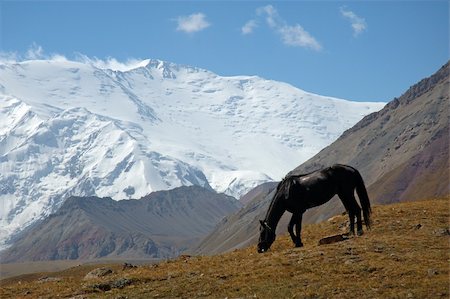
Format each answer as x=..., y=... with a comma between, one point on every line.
x=266, y=237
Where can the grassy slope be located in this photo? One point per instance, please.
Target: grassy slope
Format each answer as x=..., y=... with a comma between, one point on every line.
x=405, y=255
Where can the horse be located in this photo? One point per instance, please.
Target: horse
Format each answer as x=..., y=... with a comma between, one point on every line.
x=298, y=193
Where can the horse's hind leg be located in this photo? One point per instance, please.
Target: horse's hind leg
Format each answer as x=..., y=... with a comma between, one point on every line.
x=354, y=211
x=351, y=215
x=359, y=229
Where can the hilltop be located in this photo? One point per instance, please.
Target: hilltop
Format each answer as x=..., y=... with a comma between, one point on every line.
x=405, y=255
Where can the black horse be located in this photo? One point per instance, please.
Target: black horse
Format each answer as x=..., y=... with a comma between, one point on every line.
x=297, y=193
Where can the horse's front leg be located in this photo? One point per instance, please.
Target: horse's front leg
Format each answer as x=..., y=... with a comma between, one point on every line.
x=291, y=224
x=298, y=230
x=296, y=220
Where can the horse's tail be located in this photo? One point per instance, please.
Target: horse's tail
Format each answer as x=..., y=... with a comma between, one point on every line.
x=363, y=198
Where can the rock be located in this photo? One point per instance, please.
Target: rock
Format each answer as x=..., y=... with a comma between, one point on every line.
x=48, y=279
x=369, y=269
x=432, y=272
x=344, y=226
x=116, y=284
x=102, y=286
x=333, y=239
x=121, y=283
x=442, y=232
x=333, y=219
x=96, y=273
x=286, y=263
x=184, y=257
x=127, y=266
x=395, y=257
x=378, y=248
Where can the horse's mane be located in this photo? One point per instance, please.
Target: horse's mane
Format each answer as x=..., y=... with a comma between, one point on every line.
x=281, y=183
x=290, y=177
x=283, y=187
x=286, y=182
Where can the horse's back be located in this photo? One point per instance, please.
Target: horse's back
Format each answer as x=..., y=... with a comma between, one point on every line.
x=345, y=176
x=343, y=168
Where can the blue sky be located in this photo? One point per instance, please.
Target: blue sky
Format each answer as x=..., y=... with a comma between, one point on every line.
x=357, y=50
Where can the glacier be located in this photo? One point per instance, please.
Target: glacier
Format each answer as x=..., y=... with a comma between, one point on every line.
x=75, y=128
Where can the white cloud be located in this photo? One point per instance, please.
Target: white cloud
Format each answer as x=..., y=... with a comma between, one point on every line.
x=192, y=23
x=9, y=57
x=297, y=36
x=271, y=14
x=291, y=35
x=112, y=63
x=358, y=24
x=59, y=58
x=249, y=27
x=35, y=52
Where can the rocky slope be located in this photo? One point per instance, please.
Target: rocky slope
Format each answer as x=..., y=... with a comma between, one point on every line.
x=402, y=152
x=411, y=132
x=160, y=225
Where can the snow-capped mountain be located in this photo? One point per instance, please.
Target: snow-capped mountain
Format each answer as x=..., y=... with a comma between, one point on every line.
x=72, y=128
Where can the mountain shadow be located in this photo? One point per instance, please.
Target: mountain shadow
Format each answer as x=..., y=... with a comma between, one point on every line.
x=160, y=225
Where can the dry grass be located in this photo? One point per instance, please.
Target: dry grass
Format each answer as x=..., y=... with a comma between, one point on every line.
x=405, y=255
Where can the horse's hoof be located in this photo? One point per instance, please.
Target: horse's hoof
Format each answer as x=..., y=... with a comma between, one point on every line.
x=299, y=244
x=360, y=232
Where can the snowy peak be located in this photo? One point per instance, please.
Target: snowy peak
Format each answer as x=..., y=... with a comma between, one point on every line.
x=47, y=85
x=76, y=152
x=164, y=69
x=87, y=129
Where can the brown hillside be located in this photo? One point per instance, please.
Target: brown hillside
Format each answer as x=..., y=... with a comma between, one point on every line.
x=425, y=174
x=402, y=152
x=405, y=255
x=410, y=133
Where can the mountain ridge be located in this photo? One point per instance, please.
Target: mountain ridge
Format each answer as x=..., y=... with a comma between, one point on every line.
x=413, y=92
x=160, y=225
x=73, y=128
